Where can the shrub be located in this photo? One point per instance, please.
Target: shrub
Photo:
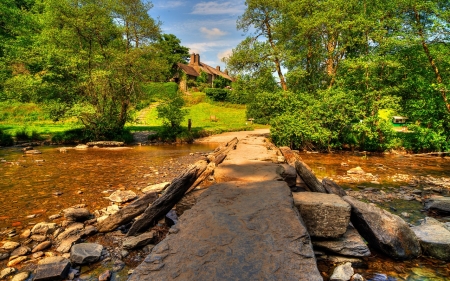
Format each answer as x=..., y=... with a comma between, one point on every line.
x=170, y=110
x=6, y=139
x=421, y=139
x=268, y=105
x=69, y=137
x=22, y=135
x=217, y=94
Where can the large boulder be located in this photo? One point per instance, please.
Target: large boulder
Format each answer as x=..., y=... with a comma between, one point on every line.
x=351, y=244
x=434, y=239
x=325, y=215
x=384, y=231
x=52, y=268
x=86, y=253
x=440, y=204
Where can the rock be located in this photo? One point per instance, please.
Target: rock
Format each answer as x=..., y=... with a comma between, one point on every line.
x=351, y=244
x=72, y=229
x=288, y=174
x=332, y=188
x=54, y=268
x=3, y=256
x=16, y=261
x=66, y=244
x=384, y=231
x=10, y=245
x=325, y=215
x=357, y=277
x=77, y=214
x=73, y=235
x=72, y=274
x=38, y=238
x=342, y=272
x=21, y=251
x=81, y=147
x=54, y=217
x=122, y=196
x=171, y=218
x=37, y=255
x=156, y=187
x=440, y=204
x=139, y=241
x=32, y=151
x=86, y=253
x=42, y=246
x=356, y=171
x=22, y=276
x=105, y=276
x=25, y=234
x=434, y=239
x=7, y=272
x=43, y=228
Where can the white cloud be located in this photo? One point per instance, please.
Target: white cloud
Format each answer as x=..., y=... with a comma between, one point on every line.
x=224, y=54
x=216, y=8
x=169, y=4
x=212, y=33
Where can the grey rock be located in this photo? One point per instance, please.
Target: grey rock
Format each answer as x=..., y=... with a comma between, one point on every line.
x=357, y=277
x=440, y=204
x=22, y=276
x=236, y=231
x=325, y=215
x=72, y=274
x=77, y=214
x=384, y=231
x=333, y=188
x=54, y=268
x=72, y=229
x=122, y=196
x=139, y=241
x=342, y=272
x=21, y=251
x=434, y=239
x=10, y=245
x=42, y=246
x=86, y=253
x=66, y=244
x=288, y=174
x=351, y=244
x=44, y=228
x=7, y=272
x=75, y=235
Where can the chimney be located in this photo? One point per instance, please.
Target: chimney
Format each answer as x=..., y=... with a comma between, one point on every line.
x=225, y=71
x=192, y=61
x=218, y=68
x=197, y=59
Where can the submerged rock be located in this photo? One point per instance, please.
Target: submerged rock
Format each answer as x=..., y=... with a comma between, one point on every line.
x=384, y=231
x=434, y=239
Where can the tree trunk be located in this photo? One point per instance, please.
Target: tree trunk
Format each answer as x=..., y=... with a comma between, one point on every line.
x=308, y=177
x=206, y=173
x=165, y=203
x=128, y=213
x=290, y=156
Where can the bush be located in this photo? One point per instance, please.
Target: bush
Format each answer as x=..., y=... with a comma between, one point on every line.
x=217, y=94
x=160, y=90
x=22, y=135
x=421, y=139
x=70, y=137
x=266, y=105
x=171, y=110
x=6, y=139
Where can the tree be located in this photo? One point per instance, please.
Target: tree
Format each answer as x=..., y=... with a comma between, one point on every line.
x=173, y=52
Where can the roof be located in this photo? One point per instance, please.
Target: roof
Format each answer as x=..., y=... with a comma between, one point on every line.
x=188, y=70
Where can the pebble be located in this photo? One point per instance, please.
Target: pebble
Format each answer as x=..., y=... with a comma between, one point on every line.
x=22, y=276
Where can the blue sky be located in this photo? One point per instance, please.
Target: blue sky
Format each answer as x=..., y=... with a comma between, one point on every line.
x=206, y=27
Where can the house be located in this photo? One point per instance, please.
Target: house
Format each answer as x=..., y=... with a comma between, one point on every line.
x=194, y=69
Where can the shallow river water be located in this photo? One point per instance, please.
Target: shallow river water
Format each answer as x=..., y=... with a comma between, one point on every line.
x=32, y=188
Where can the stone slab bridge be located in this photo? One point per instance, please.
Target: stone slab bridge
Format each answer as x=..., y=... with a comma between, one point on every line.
x=245, y=227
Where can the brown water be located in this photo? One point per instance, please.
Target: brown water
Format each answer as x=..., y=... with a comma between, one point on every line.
x=29, y=185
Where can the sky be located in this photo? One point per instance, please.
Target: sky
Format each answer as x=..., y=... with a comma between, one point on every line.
x=207, y=28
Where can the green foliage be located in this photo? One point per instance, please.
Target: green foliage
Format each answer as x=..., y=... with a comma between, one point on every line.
x=217, y=94
x=421, y=139
x=202, y=78
x=5, y=139
x=266, y=106
x=220, y=82
x=171, y=111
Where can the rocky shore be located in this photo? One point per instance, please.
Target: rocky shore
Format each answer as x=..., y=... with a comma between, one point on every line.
x=346, y=228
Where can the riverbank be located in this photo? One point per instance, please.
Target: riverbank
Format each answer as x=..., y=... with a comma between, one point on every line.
x=120, y=261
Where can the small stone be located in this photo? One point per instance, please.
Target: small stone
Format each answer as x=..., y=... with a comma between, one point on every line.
x=54, y=217
x=25, y=234
x=37, y=255
x=156, y=187
x=16, y=261
x=21, y=251
x=7, y=272
x=124, y=253
x=72, y=274
x=43, y=228
x=122, y=196
x=86, y=253
x=10, y=245
x=38, y=238
x=356, y=171
x=42, y=246
x=342, y=272
x=21, y=276
x=3, y=256
x=138, y=241
x=357, y=277
x=105, y=276
x=76, y=214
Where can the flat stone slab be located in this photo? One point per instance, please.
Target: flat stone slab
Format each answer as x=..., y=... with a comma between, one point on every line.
x=325, y=215
x=434, y=239
x=236, y=231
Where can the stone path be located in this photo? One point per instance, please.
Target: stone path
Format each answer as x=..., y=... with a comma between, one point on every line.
x=243, y=228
